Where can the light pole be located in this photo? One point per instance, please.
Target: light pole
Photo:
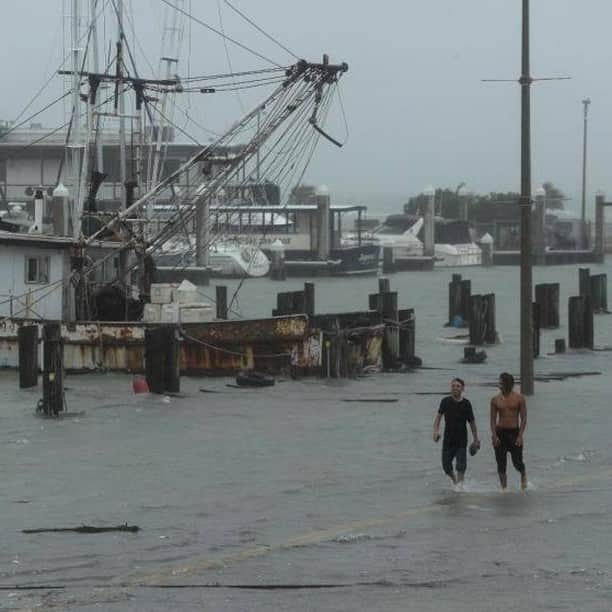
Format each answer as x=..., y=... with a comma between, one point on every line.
x=586, y=102
x=464, y=197
x=428, y=222
x=527, y=369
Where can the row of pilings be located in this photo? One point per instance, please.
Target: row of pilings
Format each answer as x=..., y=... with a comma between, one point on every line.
x=478, y=311
x=382, y=336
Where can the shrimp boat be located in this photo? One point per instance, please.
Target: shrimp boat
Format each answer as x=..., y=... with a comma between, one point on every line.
x=85, y=264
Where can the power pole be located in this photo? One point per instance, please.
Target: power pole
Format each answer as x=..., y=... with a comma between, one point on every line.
x=586, y=103
x=527, y=369
x=75, y=149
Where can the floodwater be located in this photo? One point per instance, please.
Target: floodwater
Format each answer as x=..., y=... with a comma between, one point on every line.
x=290, y=498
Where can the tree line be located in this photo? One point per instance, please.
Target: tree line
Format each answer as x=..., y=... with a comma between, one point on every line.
x=495, y=206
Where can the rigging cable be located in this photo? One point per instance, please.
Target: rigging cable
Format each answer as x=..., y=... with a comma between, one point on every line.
x=228, y=38
x=53, y=74
x=227, y=55
x=261, y=30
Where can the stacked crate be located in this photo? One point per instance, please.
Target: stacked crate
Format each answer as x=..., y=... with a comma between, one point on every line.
x=172, y=303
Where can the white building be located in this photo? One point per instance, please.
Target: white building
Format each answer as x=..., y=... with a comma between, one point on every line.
x=33, y=274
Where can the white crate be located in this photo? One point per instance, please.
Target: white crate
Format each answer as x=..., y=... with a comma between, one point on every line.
x=170, y=313
x=161, y=293
x=197, y=314
x=182, y=296
x=152, y=313
x=187, y=293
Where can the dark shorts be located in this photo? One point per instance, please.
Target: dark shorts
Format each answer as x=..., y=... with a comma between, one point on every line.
x=459, y=454
x=507, y=444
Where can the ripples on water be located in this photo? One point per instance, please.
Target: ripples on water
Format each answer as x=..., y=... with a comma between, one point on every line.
x=294, y=486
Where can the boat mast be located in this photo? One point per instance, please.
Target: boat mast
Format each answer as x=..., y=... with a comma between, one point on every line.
x=121, y=105
x=171, y=41
x=288, y=98
x=95, y=56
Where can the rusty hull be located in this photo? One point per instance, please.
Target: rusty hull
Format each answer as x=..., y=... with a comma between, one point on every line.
x=275, y=345
x=223, y=347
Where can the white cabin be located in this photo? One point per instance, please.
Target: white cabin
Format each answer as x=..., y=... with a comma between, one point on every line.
x=33, y=269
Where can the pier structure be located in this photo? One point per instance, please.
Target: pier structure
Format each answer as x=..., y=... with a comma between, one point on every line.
x=295, y=340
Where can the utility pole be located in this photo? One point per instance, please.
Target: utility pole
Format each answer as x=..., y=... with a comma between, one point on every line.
x=586, y=102
x=75, y=149
x=527, y=369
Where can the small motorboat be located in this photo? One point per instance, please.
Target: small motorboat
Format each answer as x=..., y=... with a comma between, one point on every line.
x=249, y=378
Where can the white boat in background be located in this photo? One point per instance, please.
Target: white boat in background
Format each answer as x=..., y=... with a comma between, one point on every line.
x=226, y=258
x=400, y=232
x=454, y=245
x=238, y=260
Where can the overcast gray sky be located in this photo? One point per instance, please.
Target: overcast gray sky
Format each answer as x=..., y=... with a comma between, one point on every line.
x=418, y=113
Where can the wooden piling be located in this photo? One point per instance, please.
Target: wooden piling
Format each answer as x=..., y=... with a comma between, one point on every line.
x=52, y=402
x=459, y=300
x=600, y=234
x=407, y=338
x=476, y=324
x=482, y=320
x=172, y=372
x=376, y=302
x=560, y=345
x=309, y=299
x=547, y=298
x=296, y=302
x=221, y=297
x=162, y=351
x=599, y=292
x=580, y=313
x=384, y=285
x=28, y=356
x=584, y=281
x=490, y=332
x=155, y=359
x=391, y=346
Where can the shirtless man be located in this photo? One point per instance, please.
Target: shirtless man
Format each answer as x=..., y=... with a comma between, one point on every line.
x=508, y=423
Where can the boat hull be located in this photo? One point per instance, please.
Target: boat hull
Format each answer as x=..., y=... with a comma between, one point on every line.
x=345, y=261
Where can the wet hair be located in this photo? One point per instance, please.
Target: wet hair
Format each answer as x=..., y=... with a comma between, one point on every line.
x=506, y=382
x=459, y=380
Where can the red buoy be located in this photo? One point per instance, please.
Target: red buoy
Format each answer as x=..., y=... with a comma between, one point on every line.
x=139, y=384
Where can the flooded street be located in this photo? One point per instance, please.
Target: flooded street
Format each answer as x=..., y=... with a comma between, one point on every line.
x=314, y=502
